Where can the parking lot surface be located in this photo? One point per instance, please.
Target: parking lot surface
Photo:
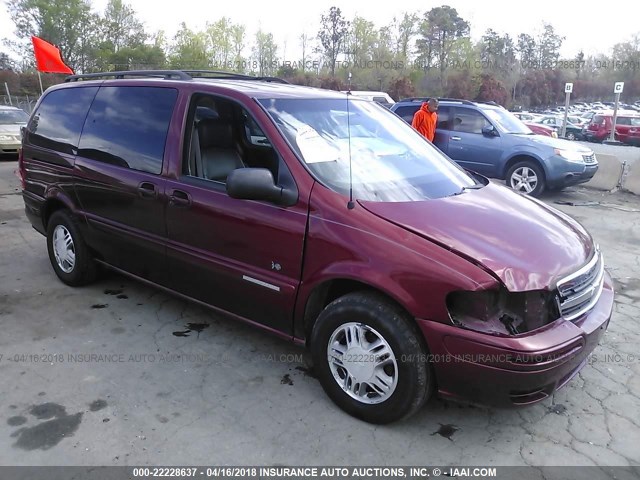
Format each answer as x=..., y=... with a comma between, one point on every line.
x=122, y=374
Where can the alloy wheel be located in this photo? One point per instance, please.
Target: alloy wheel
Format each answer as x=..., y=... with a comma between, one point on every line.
x=524, y=179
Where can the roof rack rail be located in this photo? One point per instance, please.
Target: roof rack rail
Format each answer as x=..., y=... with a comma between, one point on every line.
x=465, y=102
x=173, y=75
x=490, y=102
x=166, y=74
x=443, y=99
x=414, y=99
x=231, y=75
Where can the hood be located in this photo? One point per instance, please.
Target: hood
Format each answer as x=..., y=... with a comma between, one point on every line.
x=525, y=243
x=11, y=128
x=559, y=143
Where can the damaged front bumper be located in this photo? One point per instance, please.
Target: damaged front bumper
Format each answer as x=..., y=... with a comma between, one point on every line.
x=511, y=370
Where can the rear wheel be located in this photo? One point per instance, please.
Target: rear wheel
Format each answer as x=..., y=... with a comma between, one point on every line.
x=370, y=358
x=526, y=177
x=571, y=136
x=70, y=258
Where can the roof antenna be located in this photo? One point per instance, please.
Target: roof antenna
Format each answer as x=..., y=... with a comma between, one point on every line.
x=350, y=204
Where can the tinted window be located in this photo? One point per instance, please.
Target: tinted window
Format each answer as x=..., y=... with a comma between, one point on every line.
x=469, y=121
x=407, y=113
x=127, y=126
x=58, y=121
x=623, y=121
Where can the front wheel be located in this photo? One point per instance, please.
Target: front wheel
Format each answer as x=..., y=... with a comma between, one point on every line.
x=571, y=136
x=526, y=177
x=370, y=358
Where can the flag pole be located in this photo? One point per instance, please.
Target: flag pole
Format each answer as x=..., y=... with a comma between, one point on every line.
x=40, y=78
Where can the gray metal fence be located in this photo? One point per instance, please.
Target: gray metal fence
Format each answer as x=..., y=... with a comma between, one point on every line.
x=25, y=102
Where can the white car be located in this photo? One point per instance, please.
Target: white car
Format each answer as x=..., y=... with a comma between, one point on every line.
x=11, y=120
x=381, y=97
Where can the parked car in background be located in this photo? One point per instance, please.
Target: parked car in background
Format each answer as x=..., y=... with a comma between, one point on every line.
x=573, y=132
x=599, y=128
x=540, y=129
x=487, y=139
x=382, y=98
x=526, y=116
x=633, y=135
x=334, y=225
x=11, y=121
x=577, y=120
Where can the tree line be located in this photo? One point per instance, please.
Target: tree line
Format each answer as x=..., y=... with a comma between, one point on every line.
x=418, y=53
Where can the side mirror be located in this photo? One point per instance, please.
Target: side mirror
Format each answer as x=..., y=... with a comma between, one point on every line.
x=258, y=184
x=489, y=131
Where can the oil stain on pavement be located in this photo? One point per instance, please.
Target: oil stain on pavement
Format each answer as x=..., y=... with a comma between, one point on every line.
x=191, y=327
x=47, y=434
x=446, y=431
x=56, y=426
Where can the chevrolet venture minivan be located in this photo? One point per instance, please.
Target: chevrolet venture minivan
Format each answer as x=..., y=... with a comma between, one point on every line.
x=324, y=219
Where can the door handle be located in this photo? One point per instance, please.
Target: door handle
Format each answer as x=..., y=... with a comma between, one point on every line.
x=147, y=190
x=178, y=198
x=455, y=138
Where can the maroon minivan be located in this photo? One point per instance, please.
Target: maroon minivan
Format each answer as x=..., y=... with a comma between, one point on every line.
x=324, y=219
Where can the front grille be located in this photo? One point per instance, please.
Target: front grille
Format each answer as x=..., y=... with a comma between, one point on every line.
x=589, y=158
x=580, y=291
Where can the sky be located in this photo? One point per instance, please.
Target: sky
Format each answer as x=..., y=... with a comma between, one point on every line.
x=585, y=28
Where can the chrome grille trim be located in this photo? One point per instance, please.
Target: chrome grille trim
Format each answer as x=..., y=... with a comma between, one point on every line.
x=580, y=291
x=590, y=159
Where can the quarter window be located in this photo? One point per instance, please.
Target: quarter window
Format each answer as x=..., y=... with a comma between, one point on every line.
x=58, y=121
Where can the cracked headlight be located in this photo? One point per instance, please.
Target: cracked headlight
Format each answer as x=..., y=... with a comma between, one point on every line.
x=500, y=312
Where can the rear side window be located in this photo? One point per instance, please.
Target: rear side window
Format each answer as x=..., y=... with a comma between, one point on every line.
x=623, y=121
x=57, y=123
x=127, y=126
x=407, y=113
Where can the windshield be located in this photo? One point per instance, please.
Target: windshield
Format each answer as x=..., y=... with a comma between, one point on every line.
x=8, y=117
x=506, y=121
x=390, y=162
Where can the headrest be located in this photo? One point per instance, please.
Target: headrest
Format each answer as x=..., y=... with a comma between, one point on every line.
x=214, y=132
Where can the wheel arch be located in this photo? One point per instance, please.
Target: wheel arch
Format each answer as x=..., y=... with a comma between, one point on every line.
x=327, y=291
x=523, y=157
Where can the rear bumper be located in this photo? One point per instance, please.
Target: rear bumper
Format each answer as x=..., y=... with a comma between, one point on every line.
x=515, y=371
x=33, y=210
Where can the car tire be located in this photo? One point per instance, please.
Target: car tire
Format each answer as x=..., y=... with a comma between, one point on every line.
x=70, y=257
x=387, y=375
x=571, y=136
x=526, y=177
